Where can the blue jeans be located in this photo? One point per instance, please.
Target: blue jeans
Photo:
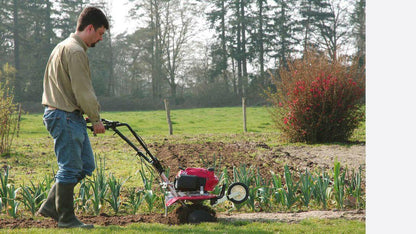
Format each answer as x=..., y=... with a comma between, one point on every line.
x=72, y=146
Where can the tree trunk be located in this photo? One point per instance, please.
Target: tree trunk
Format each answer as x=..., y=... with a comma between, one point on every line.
x=16, y=39
x=243, y=49
x=223, y=44
x=261, y=43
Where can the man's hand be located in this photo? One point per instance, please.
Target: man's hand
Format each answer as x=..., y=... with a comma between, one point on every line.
x=99, y=128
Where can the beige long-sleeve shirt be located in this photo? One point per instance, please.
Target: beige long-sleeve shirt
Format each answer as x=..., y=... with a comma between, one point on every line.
x=67, y=81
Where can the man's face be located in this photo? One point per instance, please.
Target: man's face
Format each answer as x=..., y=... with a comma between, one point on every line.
x=95, y=35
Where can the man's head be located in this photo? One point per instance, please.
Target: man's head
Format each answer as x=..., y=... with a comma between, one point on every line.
x=92, y=24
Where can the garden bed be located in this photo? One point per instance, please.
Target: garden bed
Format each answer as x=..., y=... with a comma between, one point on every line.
x=257, y=154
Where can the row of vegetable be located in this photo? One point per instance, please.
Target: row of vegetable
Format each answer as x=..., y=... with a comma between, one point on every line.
x=338, y=188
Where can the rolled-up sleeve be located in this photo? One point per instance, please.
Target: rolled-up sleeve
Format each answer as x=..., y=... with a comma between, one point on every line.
x=79, y=73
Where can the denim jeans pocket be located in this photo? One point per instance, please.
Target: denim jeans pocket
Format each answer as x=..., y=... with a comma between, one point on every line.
x=52, y=121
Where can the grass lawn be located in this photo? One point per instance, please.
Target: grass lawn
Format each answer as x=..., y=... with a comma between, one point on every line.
x=305, y=226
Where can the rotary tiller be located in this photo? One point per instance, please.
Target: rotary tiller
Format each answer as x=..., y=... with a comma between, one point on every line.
x=191, y=186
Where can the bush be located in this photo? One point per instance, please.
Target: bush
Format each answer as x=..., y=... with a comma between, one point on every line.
x=317, y=100
x=8, y=119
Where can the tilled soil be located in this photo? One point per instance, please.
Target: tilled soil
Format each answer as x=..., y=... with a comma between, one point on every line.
x=171, y=219
x=260, y=155
x=257, y=154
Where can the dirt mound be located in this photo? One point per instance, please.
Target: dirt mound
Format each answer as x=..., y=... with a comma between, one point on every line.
x=259, y=155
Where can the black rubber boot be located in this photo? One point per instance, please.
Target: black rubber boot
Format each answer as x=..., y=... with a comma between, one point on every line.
x=48, y=208
x=65, y=207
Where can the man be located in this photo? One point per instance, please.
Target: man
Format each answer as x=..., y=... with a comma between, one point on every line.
x=67, y=95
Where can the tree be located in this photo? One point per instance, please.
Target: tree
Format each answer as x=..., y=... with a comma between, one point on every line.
x=310, y=13
x=286, y=29
x=69, y=12
x=262, y=35
x=101, y=58
x=133, y=64
x=29, y=33
x=6, y=32
x=334, y=30
x=150, y=11
x=36, y=46
x=177, y=23
x=219, y=53
x=239, y=23
x=358, y=22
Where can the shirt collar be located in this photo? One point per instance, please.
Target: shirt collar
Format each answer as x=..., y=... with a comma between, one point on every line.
x=80, y=41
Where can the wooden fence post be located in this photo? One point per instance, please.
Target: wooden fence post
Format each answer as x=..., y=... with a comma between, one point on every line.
x=244, y=114
x=168, y=116
x=18, y=119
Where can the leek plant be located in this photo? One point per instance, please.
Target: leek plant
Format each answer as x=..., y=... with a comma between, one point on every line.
x=264, y=193
x=99, y=187
x=242, y=174
x=149, y=196
x=12, y=202
x=277, y=188
x=33, y=196
x=306, y=186
x=4, y=180
x=223, y=179
x=322, y=190
x=135, y=199
x=215, y=163
x=289, y=195
x=84, y=196
x=354, y=187
x=115, y=196
x=339, y=185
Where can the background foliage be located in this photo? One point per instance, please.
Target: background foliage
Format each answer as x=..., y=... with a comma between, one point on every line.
x=163, y=57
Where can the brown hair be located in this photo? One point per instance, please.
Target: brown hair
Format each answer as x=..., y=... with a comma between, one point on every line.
x=94, y=16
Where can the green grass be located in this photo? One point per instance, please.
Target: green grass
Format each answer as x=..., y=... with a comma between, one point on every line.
x=305, y=226
x=185, y=121
x=34, y=156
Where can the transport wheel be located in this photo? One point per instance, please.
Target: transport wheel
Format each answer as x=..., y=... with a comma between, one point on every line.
x=239, y=188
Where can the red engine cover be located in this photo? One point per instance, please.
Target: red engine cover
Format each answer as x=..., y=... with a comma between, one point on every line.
x=211, y=178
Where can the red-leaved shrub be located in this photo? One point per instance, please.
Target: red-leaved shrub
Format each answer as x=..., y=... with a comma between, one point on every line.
x=317, y=100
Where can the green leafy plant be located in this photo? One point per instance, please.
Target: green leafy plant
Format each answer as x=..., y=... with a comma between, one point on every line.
x=321, y=189
x=115, y=186
x=135, y=199
x=149, y=196
x=214, y=163
x=4, y=181
x=354, y=187
x=306, y=187
x=99, y=187
x=12, y=201
x=289, y=194
x=339, y=185
x=84, y=196
x=243, y=174
x=277, y=188
x=33, y=196
x=264, y=192
x=223, y=179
